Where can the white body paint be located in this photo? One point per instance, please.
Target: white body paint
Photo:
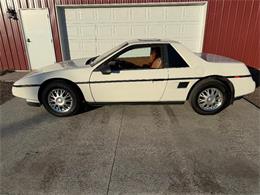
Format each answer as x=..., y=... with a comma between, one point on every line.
x=125, y=89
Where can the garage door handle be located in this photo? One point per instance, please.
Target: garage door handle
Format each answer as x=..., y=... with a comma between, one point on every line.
x=28, y=40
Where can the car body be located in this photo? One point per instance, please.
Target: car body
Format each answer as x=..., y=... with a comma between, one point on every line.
x=114, y=78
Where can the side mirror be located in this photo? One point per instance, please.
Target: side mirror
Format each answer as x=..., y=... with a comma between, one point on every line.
x=106, y=69
x=112, y=66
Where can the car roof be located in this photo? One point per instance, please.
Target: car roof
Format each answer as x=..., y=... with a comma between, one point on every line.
x=138, y=41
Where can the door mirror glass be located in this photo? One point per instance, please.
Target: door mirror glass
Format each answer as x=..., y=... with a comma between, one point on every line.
x=106, y=69
x=112, y=66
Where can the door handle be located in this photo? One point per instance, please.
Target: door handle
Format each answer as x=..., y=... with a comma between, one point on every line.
x=28, y=40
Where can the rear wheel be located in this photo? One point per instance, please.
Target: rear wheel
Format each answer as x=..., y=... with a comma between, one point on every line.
x=60, y=99
x=209, y=97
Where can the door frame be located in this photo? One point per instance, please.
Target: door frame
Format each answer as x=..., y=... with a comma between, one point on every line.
x=23, y=33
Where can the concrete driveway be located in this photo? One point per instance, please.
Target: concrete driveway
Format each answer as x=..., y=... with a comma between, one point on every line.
x=146, y=149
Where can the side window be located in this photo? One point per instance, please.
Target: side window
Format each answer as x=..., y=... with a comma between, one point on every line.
x=139, y=52
x=141, y=57
x=135, y=58
x=174, y=58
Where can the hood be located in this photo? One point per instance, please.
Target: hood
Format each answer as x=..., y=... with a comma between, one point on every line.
x=65, y=69
x=75, y=63
x=69, y=64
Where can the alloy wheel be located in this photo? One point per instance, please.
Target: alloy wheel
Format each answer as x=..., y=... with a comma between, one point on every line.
x=60, y=100
x=210, y=99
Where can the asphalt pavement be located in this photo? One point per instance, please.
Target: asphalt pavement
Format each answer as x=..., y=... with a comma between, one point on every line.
x=144, y=149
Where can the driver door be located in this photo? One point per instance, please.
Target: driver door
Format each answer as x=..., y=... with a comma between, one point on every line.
x=133, y=83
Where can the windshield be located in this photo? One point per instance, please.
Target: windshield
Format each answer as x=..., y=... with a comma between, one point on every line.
x=108, y=53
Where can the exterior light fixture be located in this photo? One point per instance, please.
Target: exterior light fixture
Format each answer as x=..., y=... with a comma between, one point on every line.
x=11, y=13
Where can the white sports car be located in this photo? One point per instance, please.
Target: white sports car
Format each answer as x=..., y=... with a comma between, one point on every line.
x=139, y=71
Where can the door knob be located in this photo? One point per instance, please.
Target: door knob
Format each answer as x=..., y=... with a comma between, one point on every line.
x=28, y=40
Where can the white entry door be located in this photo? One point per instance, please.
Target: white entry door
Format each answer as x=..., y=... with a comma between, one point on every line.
x=38, y=37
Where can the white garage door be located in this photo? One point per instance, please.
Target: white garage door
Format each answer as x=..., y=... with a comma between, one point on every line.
x=90, y=30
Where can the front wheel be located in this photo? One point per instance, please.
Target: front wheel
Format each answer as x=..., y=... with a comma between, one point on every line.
x=60, y=99
x=209, y=97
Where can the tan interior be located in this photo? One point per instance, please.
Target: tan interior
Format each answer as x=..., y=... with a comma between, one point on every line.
x=157, y=63
x=139, y=61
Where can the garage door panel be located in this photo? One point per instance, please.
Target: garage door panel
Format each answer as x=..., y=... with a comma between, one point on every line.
x=78, y=54
x=89, y=31
x=174, y=13
x=87, y=15
x=100, y=28
x=122, y=30
x=75, y=45
x=104, y=15
x=156, y=30
x=104, y=45
x=117, y=42
x=191, y=30
x=73, y=31
x=156, y=13
x=139, y=30
x=121, y=14
x=89, y=47
x=193, y=44
x=104, y=31
x=139, y=14
x=71, y=15
x=191, y=13
x=173, y=29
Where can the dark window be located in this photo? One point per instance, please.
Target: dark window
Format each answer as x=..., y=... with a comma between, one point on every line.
x=174, y=58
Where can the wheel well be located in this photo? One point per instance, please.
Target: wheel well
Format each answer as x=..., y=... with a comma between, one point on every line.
x=47, y=82
x=222, y=79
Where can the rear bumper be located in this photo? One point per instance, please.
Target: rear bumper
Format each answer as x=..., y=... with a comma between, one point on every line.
x=243, y=86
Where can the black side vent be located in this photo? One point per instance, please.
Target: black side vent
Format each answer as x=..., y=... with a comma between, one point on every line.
x=183, y=84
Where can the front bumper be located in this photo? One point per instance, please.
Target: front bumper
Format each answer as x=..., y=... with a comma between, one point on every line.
x=30, y=93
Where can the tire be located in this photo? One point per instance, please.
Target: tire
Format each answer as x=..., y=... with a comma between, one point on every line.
x=209, y=97
x=61, y=99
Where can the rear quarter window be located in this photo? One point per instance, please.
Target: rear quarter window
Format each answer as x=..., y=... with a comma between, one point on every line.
x=174, y=58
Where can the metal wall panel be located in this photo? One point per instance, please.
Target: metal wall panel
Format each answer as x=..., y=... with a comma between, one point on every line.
x=232, y=29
